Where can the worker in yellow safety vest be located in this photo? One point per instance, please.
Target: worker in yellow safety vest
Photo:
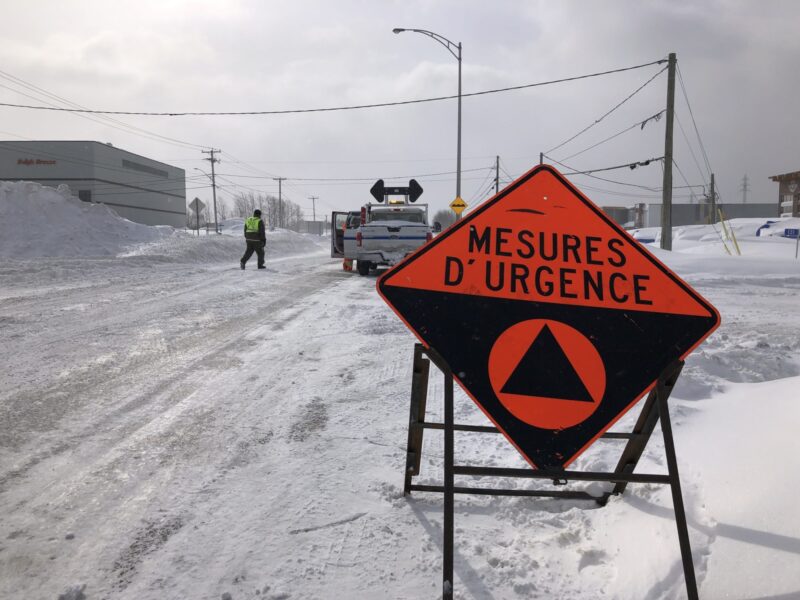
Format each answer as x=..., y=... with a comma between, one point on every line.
x=256, y=239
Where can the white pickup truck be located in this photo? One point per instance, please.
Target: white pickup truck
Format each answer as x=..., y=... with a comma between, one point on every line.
x=382, y=234
x=389, y=233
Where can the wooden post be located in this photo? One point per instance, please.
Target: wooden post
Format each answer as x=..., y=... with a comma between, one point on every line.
x=666, y=202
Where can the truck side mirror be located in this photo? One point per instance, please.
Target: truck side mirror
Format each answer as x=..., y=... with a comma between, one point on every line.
x=437, y=227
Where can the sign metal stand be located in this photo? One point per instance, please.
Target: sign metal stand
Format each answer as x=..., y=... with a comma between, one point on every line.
x=654, y=408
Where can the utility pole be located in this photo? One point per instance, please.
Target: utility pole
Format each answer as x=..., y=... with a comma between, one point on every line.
x=666, y=202
x=314, y=209
x=713, y=198
x=541, y=158
x=745, y=188
x=213, y=160
x=496, y=175
x=280, y=200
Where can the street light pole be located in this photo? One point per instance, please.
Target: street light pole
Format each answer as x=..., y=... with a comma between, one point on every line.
x=455, y=50
x=458, y=159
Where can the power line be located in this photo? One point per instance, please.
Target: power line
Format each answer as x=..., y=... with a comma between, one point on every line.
x=481, y=185
x=356, y=179
x=640, y=124
x=691, y=113
x=631, y=166
x=587, y=128
x=589, y=174
x=360, y=184
x=330, y=109
x=103, y=120
x=689, y=144
x=681, y=173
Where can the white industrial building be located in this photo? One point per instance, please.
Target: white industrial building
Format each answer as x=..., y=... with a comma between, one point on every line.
x=137, y=188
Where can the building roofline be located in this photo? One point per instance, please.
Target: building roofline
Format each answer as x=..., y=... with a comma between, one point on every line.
x=91, y=142
x=785, y=176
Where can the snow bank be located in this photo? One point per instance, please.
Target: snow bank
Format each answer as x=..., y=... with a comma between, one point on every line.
x=37, y=221
x=755, y=237
x=778, y=227
x=185, y=247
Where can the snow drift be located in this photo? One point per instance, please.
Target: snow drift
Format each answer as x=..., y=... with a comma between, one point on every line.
x=37, y=221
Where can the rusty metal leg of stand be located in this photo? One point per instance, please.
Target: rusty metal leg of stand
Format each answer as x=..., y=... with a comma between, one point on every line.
x=645, y=424
x=447, y=558
x=419, y=397
x=677, y=498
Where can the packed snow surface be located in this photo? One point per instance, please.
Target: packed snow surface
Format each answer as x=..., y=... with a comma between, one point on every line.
x=174, y=427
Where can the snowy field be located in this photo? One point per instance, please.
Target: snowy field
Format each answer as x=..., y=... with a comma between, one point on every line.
x=172, y=427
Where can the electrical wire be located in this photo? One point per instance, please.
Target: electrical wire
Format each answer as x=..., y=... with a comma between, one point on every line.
x=480, y=185
x=355, y=179
x=713, y=225
x=166, y=191
x=506, y=173
x=640, y=124
x=335, y=108
x=631, y=166
x=103, y=120
x=485, y=191
x=696, y=130
x=691, y=151
x=587, y=128
x=356, y=184
x=686, y=181
x=589, y=174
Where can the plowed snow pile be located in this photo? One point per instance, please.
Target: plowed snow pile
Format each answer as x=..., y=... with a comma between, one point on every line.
x=40, y=221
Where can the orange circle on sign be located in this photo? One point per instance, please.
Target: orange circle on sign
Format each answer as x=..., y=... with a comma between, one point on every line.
x=547, y=374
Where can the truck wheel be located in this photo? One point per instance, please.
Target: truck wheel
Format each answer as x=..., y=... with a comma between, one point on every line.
x=363, y=267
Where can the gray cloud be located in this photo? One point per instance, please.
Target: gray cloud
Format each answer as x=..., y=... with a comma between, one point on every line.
x=737, y=59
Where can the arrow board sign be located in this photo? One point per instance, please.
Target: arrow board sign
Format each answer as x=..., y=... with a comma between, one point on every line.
x=552, y=318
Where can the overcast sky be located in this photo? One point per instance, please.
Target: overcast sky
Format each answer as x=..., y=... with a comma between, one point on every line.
x=738, y=60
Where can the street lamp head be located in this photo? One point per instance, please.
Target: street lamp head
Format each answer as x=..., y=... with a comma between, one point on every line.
x=398, y=30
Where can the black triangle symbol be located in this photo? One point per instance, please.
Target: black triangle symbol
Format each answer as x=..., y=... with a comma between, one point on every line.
x=545, y=371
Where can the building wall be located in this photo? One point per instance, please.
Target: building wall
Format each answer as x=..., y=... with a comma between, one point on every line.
x=789, y=197
x=621, y=214
x=137, y=188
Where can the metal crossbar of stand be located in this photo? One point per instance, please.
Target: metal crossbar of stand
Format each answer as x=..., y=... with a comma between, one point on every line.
x=654, y=408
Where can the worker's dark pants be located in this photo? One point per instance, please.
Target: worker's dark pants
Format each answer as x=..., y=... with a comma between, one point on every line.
x=258, y=248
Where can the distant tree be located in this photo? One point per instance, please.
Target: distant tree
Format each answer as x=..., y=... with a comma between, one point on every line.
x=446, y=217
x=244, y=203
x=284, y=213
x=222, y=210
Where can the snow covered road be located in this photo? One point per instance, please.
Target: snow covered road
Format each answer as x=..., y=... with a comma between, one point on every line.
x=176, y=428
x=136, y=387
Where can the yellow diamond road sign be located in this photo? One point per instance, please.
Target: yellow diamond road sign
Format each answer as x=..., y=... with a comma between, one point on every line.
x=458, y=205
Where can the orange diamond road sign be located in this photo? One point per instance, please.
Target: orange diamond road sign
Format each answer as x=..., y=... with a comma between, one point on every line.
x=552, y=318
